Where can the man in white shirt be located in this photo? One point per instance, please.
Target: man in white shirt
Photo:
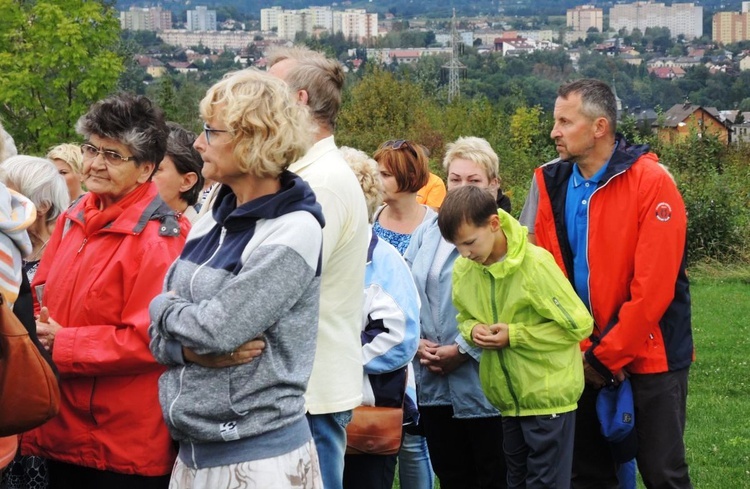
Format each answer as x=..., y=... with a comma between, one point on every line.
x=335, y=387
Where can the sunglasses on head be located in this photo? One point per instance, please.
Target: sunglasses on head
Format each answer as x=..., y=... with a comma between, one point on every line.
x=395, y=143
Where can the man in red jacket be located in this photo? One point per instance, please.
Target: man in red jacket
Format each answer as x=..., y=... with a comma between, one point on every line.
x=614, y=220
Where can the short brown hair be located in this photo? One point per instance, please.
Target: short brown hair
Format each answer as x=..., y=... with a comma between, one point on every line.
x=469, y=204
x=407, y=162
x=597, y=99
x=322, y=78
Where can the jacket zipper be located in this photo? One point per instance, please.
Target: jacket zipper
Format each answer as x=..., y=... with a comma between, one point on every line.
x=85, y=240
x=572, y=322
x=588, y=223
x=500, y=355
x=195, y=273
x=182, y=370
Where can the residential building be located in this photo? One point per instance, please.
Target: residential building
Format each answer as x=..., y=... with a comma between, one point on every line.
x=201, y=19
x=356, y=24
x=731, y=27
x=584, y=17
x=183, y=67
x=667, y=72
x=467, y=38
x=153, y=66
x=683, y=119
x=269, y=18
x=680, y=18
x=214, y=40
x=152, y=19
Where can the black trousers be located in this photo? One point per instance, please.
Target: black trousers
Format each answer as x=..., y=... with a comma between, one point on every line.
x=68, y=476
x=369, y=471
x=465, y=453
x=660, y=406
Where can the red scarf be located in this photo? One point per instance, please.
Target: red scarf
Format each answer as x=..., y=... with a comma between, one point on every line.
x=94, y=218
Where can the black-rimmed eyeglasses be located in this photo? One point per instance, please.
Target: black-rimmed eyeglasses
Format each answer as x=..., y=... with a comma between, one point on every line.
x=112, y=158
x=208, y=132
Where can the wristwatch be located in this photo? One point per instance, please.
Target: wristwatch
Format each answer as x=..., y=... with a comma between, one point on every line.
x=461, y=350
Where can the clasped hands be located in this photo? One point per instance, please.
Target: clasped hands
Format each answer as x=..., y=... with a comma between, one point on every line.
x=47, y=328
x=490, y=337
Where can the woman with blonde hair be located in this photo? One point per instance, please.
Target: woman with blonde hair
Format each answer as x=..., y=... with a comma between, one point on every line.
x=69, y=162
x=250, y=269
x=463, y=430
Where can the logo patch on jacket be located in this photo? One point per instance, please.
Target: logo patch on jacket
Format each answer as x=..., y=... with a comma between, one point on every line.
x=663, y=212
x=229, y=431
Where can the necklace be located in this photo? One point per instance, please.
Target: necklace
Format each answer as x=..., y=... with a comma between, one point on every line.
x=37, y=255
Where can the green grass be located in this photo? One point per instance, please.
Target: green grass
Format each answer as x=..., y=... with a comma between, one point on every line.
x=718, y=416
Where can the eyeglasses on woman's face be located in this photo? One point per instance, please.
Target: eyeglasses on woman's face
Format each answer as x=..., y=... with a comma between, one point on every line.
x=208, y=132
x=112, y=158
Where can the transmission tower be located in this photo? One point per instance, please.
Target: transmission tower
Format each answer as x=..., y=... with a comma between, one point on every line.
x=455, y=66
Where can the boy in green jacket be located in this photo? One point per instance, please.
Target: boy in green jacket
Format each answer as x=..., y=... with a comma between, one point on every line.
x=515, y=303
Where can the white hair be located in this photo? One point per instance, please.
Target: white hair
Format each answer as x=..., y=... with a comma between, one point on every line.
x=7, y=145
x=38, y=180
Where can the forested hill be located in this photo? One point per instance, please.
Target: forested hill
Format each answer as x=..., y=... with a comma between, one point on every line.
x=409, y=8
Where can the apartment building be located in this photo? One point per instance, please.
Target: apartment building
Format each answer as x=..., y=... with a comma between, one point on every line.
x=214, y=40
x=680, y=18
x=731, y=27
x=352, y=23
x=356, y=24
x=201, y=19
x=584, y=17
x=152, y=19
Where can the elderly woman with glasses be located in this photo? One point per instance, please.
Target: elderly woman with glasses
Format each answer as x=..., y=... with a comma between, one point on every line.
x=104, y=263
x=250, y=269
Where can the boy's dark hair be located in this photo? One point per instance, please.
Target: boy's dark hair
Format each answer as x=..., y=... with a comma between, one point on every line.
x=468, y=204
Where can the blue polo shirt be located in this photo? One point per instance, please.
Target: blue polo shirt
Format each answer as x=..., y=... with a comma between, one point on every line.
x=576, y=222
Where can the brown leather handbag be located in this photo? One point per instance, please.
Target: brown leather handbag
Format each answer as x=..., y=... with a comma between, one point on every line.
x=29, y=393
x=374, y=430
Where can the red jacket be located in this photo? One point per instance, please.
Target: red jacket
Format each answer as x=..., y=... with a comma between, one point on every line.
x=99, y=291
x=639, y=292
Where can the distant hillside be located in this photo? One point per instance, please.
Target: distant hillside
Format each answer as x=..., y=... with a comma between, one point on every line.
x=410, y=8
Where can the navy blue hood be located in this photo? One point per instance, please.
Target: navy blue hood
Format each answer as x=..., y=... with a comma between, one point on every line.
x=294, y=195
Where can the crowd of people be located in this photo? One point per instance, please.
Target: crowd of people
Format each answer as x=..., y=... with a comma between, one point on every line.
x=219, y=305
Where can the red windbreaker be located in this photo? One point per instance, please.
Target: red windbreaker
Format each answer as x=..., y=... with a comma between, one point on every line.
x=638, y=287
x=99, y=290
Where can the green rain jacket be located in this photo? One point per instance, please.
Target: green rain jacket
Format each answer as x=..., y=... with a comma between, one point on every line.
x=541, y=371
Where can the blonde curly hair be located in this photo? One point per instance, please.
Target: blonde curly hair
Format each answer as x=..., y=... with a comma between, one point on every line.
x=70, y=154
x=268, y=128
x=366, y=171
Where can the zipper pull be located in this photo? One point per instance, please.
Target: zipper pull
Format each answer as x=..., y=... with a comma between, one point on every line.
x=85, y=240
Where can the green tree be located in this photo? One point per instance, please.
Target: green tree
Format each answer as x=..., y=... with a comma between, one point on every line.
x=57, y=57
x=378, y=108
